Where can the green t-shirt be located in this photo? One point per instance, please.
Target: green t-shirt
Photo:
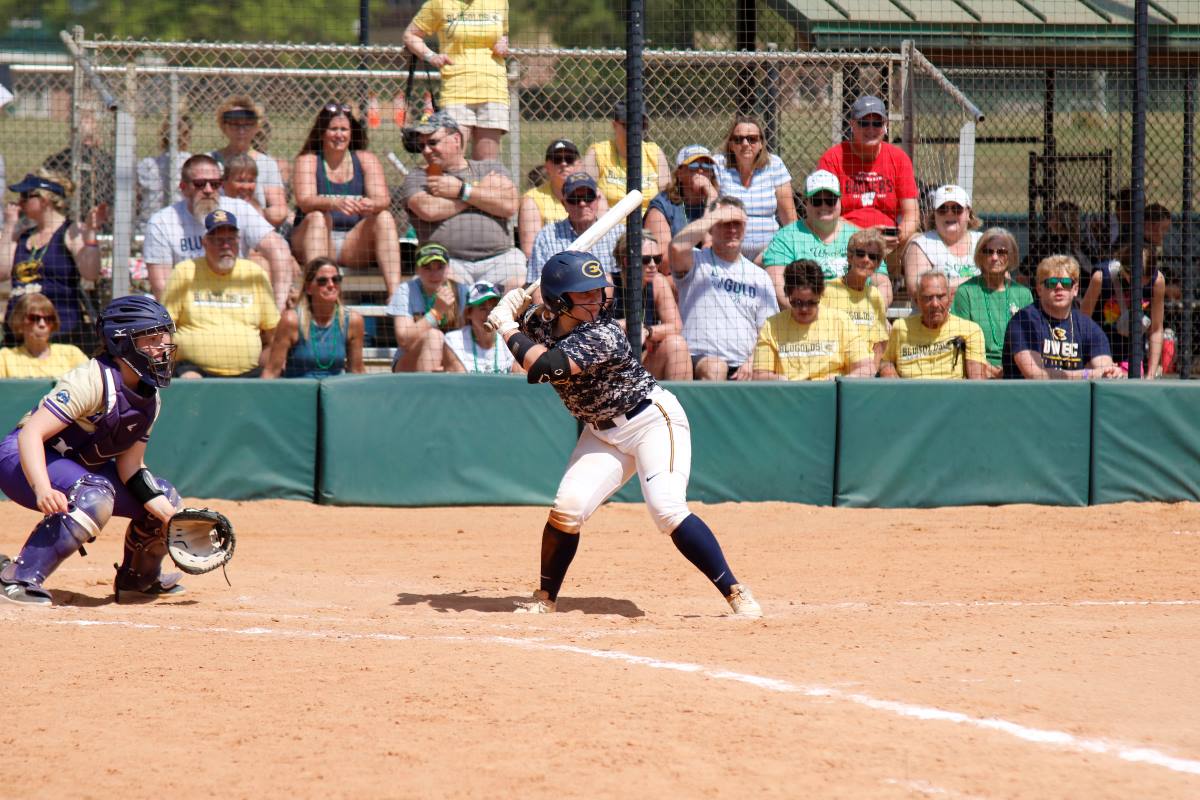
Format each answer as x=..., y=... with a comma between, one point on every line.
x=796, y=241
x=990, y=310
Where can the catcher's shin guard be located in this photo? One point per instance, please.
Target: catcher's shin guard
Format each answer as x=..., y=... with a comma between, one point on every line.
x=90, y=504
x=145, y=548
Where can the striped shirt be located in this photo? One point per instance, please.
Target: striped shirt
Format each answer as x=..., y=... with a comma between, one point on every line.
x=759, y=198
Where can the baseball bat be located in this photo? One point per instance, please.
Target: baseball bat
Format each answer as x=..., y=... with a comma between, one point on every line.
x=606, y=223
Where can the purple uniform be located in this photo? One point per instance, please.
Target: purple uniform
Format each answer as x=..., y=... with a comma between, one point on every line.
x=104, y=419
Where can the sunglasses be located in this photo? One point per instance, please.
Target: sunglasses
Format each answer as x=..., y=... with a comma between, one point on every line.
x=952, y=209
x=36, y=318
x=823, y=200
x=580, y=199
x=696, y=166
x=568, y=159
x=336, y=108
x=866, y=254
x=752, y=139
x=23, y=196
x=805, y=303
x=325, y=280
x=870, y=123
x=432, y=143
x=1065, y=283
x=652, y=261
x=200, y=184
x=995, y=251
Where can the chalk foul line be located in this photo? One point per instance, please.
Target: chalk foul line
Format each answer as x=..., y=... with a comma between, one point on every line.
x=1041, y=736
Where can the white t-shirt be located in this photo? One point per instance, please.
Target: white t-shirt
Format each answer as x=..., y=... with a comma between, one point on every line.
x=943, y=260
x=724, y=304
x=174, y=235
x=496, y=360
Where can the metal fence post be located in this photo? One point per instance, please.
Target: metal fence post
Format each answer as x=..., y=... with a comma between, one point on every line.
x=1183, y=346
x=1137, y=179
x=635, y=104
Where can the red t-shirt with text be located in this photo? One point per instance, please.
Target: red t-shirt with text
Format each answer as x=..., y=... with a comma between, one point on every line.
x=871, y=190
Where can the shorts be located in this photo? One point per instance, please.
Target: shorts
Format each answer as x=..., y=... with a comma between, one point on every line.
x=508, y=268
x=336, y=240
x=187, y=366
x=480, y=115
x=731, y=368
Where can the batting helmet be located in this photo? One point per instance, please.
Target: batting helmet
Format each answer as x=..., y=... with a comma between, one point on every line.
x=570, y=271
x=123, y=321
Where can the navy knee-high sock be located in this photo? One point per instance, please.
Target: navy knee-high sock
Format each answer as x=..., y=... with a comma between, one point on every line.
x=558, y=549
x=698, y=544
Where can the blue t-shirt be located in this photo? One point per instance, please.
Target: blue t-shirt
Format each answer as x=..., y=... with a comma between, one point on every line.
x=1069, y=343
x=678, y=214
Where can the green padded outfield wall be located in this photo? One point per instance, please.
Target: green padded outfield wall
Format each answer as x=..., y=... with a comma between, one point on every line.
x=232, y=439
x=757, y=441
x=921, y=444
x=427, y=440
x=239, y=439
x=1145, y=441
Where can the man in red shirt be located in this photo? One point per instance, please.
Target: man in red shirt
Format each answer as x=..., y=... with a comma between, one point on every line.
x=878, y=186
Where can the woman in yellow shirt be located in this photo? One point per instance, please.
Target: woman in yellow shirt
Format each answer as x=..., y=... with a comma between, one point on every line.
x=606, y=162
x=34, y=321
x=473, y=39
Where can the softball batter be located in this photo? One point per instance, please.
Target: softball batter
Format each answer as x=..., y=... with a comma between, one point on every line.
x=77, y=458
x=631, y=423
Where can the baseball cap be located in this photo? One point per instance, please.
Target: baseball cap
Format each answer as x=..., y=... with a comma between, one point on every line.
x=220, y=219
x=32, y=182
x=868, y=104
x=950, y=193
x=433, y=122
x=576, y=181
x=822, y=181
x=693, y=152
x=431, y=251
x=482, y=292
x=561, y=145
x=620, y=111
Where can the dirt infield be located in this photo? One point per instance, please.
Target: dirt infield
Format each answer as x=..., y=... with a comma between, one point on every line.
x=955, y=653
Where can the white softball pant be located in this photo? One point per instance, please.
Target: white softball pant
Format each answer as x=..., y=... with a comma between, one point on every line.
x=657, y=443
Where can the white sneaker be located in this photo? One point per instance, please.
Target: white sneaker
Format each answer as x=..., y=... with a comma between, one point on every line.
x=540, y=604
x=743, y=603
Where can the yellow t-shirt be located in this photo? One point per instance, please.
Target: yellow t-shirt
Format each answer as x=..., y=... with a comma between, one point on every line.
x=466, y=32
x=17, y=362
x=919, y=352
x=218, y=318
x=816, y=352
x=613, y=173
x=865, y=308
x=550, y=207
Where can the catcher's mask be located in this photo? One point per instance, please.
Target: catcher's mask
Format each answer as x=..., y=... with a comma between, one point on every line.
x=128, y=326
x=571, y=271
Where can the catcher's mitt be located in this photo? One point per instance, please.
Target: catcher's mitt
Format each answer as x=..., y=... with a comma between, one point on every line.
x=199, y=540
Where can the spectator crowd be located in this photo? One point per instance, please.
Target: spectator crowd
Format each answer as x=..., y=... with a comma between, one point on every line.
x=745, y=276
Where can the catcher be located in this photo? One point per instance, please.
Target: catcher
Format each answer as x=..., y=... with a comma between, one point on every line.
x=77, y=458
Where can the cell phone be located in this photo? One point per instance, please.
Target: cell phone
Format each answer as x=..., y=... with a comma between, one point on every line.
x=891, y=231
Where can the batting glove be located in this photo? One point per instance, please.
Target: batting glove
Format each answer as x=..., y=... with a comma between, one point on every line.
x=503, y=316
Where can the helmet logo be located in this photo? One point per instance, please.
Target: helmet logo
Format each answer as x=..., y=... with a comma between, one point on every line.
x=592, y=269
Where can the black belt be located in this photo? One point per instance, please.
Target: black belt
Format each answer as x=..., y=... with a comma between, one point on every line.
x=609, y=424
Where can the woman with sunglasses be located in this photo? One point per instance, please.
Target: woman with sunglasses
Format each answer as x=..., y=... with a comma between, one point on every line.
x=879, y=189
x=54, y=255
x=806, y=342
x=1052, y=339
x=607, y=162
x=543, y=204
x=319, y=337
x=856, y=294
x=239, y=118
x=1108, y=301
x=34, y=320
x=991, y=298
x=693, y=189
x=949, y=244
x=748, y=171
x=343, y=199
x=473, y=38
x=664, y=351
